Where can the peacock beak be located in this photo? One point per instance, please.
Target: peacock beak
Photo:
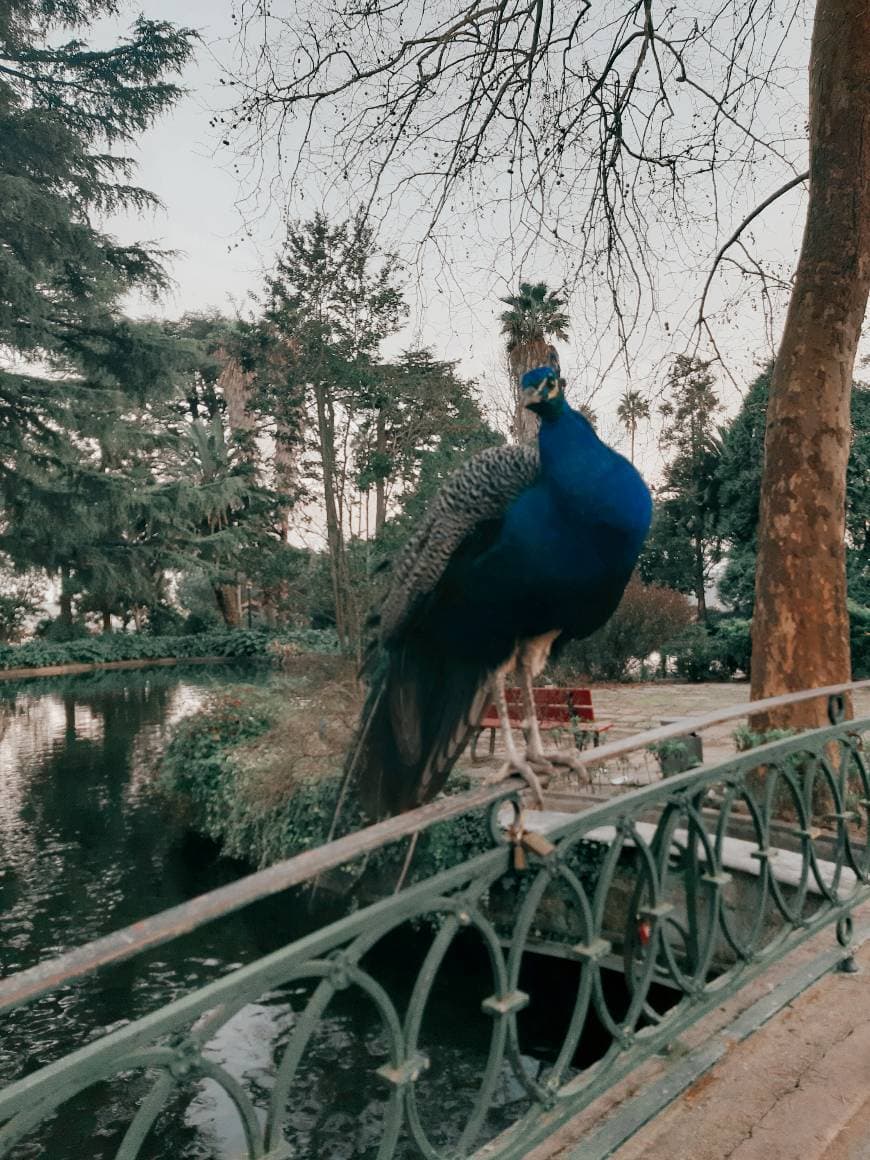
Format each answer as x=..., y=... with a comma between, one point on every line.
x=537, y=396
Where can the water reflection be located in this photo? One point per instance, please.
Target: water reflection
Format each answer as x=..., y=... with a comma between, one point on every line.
x=87, y=845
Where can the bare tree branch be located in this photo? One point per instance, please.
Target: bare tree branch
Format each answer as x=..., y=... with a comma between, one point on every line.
x=609, y=139
x=759, y=209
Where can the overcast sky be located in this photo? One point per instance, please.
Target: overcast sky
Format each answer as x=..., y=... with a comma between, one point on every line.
x=222, y=254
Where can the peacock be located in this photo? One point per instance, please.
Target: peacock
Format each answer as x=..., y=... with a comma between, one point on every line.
x=523, y=547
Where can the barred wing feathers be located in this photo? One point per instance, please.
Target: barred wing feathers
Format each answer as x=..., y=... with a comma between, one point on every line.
x=423, y=699
x=476, y=494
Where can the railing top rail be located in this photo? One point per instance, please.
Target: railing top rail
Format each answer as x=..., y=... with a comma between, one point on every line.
x=25, y=986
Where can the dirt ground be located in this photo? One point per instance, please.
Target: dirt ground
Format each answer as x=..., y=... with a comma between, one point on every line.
x=633, y=708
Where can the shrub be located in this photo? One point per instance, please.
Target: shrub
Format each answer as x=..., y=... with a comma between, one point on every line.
x=140, y=646
x=714, y=652
x=199, y=622
x=164, y=620
x=746, y=738
x=717, y=652
x=695, y=655
x=60, y=631
x=859, y=638
x=677, y=754
x=20, y=599
x=647, y=619
x=732, y=642
x=259, y=770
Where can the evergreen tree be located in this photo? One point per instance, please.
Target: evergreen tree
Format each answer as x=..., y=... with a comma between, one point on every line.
x=163, y=485
x=217, y=511
x=739, y=488
x=683, y=544
x=423, y=421
x=332, y=301
x=632, y=408
x=68, y=114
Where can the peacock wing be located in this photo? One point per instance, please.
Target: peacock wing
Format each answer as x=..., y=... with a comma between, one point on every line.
x=473, y=498
x=423, y=701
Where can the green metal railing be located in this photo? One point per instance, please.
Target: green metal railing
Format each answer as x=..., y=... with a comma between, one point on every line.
x=690, y=887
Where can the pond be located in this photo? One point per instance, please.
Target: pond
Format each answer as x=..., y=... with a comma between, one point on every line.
x=89, y=845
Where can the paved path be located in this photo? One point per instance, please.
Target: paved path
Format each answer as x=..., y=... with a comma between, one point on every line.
x=798, y=1088
x=635, y=707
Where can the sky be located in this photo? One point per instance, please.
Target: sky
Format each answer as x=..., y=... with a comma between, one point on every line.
x=222, y=252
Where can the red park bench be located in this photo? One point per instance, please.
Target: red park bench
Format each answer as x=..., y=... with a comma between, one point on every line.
x=557, y=709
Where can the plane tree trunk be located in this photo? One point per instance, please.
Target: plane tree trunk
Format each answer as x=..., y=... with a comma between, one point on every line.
x=800, y=629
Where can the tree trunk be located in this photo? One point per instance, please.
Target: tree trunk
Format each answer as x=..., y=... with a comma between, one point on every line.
x=700, y=594
x=380, y=482
x=525, y=357
x=286, y=470
x=107, y=621
x=334, y=530
x=65, y=600
x=229, y=602
x=236, y=386
x=800, y=629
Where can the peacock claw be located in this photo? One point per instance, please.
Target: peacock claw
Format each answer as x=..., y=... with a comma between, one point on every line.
x=526, y=771
x=542, y=763
x=566, y=760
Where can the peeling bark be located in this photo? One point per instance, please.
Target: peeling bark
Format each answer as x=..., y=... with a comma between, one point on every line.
x=237, y=386
x=800, y=629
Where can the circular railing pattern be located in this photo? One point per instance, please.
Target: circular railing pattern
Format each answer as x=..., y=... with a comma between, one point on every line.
x=677, y=903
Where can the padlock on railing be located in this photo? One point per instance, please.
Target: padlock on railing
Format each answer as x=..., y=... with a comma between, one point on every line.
x=527, y=841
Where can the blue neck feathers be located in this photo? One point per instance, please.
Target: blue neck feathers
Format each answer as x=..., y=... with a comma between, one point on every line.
x=589, y=473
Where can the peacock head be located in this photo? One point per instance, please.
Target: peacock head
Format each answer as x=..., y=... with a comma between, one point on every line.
x=543, y=392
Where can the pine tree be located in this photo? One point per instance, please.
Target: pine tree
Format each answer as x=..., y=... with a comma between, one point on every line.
x=68, y=114
x=422, y=421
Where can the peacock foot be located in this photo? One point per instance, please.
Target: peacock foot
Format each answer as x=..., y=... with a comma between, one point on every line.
x=528, y=771
x=560, y=758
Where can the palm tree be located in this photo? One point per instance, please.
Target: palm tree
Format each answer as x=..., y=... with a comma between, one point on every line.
x=535, y=315
x=632, y=408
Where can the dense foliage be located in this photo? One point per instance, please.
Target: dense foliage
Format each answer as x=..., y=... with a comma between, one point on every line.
x=705, y=526
x=254, y=779
x=141, y=646
x=683, y=545
x=648, y=619
x=153, y=474
x=69, y=115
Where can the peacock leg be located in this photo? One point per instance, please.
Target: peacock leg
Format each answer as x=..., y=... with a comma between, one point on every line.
x=535, y=746
x=535, y=753
x=516, y=762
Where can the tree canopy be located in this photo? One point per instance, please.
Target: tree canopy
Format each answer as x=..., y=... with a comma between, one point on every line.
x=69, y=114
